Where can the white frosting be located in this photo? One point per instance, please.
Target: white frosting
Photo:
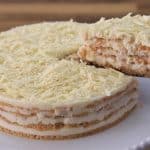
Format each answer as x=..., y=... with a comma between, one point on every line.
x=41, y=118
x=67, y=131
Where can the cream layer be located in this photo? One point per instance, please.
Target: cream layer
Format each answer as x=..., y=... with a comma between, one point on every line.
x=96, y=115
x=68, y=131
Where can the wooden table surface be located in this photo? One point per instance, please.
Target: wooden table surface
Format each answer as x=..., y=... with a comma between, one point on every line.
x=19, y=12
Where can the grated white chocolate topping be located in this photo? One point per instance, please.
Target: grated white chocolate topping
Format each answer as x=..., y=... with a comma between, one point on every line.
x=53, y=82
x=132, y=28
x=53, y=39
x=31, y=72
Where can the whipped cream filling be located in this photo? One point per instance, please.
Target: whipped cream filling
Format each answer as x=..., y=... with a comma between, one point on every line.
x=96, y=115
x=68, y=131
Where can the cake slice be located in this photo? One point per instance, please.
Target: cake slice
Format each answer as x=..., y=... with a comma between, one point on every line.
x=120, y=43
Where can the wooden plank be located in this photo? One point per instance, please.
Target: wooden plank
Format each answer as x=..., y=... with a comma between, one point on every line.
x=55, y=17
x=14, y=14
x=58, y=1
x=67, y=8
x=143, y=4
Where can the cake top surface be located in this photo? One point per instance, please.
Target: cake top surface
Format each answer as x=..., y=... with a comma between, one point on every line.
x=135, y=28
x=31, y=71
x=48, y=81
x=56, y=39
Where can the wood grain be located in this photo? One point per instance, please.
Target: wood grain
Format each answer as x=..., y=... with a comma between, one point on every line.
x=67, y=8
x=30, y=11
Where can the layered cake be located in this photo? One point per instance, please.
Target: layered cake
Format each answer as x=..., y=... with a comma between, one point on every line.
x=120, y=43
x=45, y=96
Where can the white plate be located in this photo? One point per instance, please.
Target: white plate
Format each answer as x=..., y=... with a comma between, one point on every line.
x=129, y=133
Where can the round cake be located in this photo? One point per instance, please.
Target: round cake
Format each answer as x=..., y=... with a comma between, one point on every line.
x=45, y=96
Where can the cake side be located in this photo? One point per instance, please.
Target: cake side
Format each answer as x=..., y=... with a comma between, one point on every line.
x=64, y=126
x=12, y=130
